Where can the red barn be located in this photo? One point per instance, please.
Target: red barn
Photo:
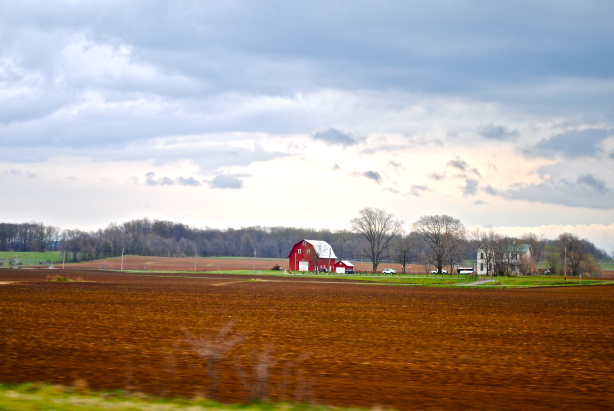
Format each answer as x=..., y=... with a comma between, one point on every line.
x=307, y=254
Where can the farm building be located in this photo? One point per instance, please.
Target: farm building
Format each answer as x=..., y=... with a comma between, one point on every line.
x=306, y=255
x=342, y=266
x=512, y=256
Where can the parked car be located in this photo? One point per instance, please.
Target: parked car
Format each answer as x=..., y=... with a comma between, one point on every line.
x=442, y=271
x=349, y=271
x=389, y=271
x=323, y=270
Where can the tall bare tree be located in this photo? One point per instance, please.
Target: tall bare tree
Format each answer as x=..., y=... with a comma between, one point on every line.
x=573, y=251
x=437, y=231
x=456, y=247
x=425, y=259
x=536, y=248
x=403, y=248
x=379, y=227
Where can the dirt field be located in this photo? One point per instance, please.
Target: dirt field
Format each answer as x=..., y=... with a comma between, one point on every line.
x=331, y=342
x=210, y=264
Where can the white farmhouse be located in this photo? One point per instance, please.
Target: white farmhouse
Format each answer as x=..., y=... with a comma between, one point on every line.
x=507, y=257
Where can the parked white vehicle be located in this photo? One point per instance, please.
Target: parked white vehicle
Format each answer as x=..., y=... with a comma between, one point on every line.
x=442, y=271
x=389, y=271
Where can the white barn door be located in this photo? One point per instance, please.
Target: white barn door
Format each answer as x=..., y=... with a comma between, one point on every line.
x=303, y=265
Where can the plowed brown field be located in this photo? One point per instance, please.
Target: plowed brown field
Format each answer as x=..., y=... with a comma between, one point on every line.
x=333, y=342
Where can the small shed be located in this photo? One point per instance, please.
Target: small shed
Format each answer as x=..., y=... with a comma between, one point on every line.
x=342, y=266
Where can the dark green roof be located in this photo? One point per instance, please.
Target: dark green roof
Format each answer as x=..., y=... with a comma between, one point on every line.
x=515, y=248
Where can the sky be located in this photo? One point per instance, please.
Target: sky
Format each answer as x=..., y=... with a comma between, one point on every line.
x=286, y=113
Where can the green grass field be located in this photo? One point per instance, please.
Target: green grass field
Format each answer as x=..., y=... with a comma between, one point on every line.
x=606, y=265
x=31, y=397
x=546, y=281
x=31, y=257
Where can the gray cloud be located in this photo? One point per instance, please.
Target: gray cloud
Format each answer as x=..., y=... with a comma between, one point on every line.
x=461, y=165
x=228, y=181
x=20, y=173
x=333, y=136
x=438, y=176
x=151, y=180
x=458, y=163
x=373, y=175
x=588, y=191
x=470, y=188
x=190, y=182
x=418, y=190
x=208, y=156
x=572, y=144
x=384, y=148
x=500, y=133
x=594, y=183
x=491, y=190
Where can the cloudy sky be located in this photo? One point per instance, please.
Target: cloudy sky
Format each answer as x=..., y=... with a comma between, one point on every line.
x=240, y=113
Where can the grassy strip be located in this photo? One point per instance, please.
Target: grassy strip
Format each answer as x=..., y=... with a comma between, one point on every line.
x=545, y=281
x=378, y=278
x=33, y=257
x=41, y=396
x=606, y=265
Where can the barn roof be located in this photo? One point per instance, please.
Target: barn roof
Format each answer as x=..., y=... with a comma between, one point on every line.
x=347, y=263
x=323, y=249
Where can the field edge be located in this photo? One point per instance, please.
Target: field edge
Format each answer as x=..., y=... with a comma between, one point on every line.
x=34, y=396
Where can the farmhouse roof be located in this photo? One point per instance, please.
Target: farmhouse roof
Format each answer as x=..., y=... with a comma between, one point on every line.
x=347, y=263
x=323, y=249
x=513, y=248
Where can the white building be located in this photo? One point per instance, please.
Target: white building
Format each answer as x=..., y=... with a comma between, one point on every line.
x=510, y=257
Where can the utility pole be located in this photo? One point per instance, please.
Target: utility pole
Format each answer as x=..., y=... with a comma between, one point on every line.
x=194, y=260
x=254, y=267
x=63, y=260
x=122, y=267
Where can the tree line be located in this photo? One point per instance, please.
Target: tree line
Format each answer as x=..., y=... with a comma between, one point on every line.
x=434, y=241
x=170, y=239
x=441, y=240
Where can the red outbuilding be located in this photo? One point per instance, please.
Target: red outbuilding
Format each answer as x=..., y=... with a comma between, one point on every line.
x=342, y=267
x=306, y=255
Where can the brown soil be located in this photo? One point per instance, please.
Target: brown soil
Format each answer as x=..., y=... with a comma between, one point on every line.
x=335, y=343
x=211, y=264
